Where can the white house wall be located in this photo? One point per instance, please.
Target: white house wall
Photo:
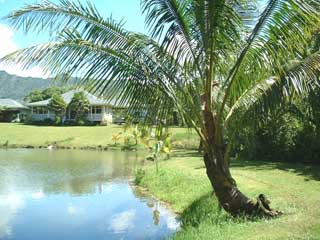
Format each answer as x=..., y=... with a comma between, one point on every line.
x=105, y=116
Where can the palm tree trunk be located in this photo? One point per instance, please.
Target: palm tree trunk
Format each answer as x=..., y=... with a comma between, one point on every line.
x=224, y=186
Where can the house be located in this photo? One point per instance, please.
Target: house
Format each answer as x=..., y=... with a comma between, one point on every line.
x=100, y=110
x=11, y=110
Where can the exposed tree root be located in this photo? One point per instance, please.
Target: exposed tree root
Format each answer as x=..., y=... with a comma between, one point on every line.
x=264, y=209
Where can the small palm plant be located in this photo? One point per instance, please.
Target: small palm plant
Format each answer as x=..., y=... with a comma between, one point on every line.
x=116, y=137
x=136, y=134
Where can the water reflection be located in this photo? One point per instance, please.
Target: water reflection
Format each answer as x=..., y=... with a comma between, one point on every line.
x=76, y=195
x=9, y=205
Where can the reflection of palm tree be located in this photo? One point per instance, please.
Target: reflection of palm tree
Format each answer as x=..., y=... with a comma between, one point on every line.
x=206, y=66
x=151, y=203
x=156, y=217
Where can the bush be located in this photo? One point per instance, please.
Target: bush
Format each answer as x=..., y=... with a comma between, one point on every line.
x=139, y=174
x=57, y=121
x=307, y=145
x=47, y=122
x=281, y=137
x=81, y=122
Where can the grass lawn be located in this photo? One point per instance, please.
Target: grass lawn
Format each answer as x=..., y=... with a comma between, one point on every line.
x=93, y=136
x=293, y=189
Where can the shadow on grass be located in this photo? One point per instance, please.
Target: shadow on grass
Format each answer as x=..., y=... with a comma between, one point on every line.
x=203, y=209
x=206, y=209
x=310, y=172
x=186, y=153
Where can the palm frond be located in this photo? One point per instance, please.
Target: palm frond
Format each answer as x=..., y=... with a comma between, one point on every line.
x=299, y=80
x=278, y=37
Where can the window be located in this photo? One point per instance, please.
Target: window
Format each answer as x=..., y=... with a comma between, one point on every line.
x=40, y=110
x=96, y=110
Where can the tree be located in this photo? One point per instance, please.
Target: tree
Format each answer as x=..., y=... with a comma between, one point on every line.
x=79, y=105
x=34, y=96
x=47, y=93
x=57, y=105
x=199, y=58
x=51, y=91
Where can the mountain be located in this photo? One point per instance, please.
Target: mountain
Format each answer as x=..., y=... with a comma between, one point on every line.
x=15, y=87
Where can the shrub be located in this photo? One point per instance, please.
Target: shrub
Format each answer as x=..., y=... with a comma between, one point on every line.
x=48, y=122
x=57, y=120
x=139, y=174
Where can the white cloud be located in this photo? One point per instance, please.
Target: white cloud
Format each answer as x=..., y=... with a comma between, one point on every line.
x=170, y=218
x=8, y=46
x=123, y=221
x=9, y=206
x=37, y=195
x=71, y=210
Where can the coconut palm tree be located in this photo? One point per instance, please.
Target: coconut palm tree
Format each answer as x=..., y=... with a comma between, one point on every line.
x=199, y=58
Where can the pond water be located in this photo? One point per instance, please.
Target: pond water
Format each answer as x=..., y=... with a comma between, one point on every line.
x=76, y=195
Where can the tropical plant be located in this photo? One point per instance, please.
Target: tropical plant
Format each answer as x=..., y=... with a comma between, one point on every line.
x=136, y=134
x=116, y=137
x=58, y=106
x=79, y=105
x=199, y=59
x=167, y=146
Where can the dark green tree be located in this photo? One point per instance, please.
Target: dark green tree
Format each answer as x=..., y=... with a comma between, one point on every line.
x=34, y=96
x=51, y=91
x=58, y=106
x=38, y=95
x=198, y=58
x=79, y=105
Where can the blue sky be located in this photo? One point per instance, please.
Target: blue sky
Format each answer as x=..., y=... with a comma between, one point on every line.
x=119, y=9
x=129, y=10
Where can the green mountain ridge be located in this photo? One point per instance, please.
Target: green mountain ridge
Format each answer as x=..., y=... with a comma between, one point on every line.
x=16, y=87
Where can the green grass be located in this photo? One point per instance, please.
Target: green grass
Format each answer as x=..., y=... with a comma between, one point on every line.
x=294, y=189
x=20, y=135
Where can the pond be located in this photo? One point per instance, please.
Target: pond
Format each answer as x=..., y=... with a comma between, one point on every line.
x=76, y=195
